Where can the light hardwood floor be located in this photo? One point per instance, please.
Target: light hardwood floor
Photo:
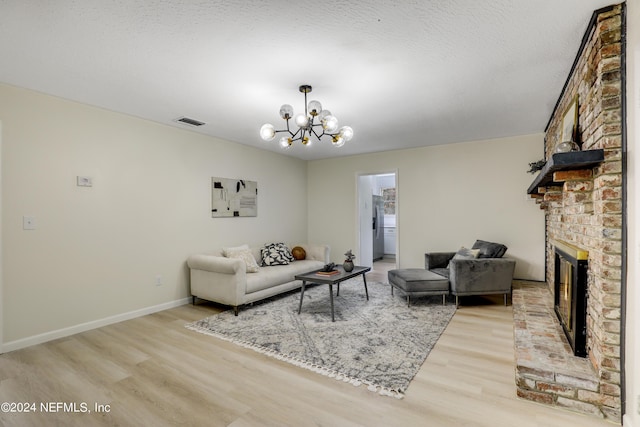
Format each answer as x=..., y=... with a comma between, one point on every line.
x=380, y=269
x=152, y=371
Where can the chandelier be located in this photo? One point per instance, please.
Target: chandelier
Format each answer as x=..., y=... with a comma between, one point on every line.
x=326, y=124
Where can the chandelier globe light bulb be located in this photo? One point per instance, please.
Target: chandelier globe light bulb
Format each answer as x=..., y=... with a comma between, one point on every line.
x=267, y=132
x=338, y=141
x=285, y=142
x=314, y=108
x=323, y=114
x=301, y=120
x=286, y=111
x=346, y=132
x=330, y=124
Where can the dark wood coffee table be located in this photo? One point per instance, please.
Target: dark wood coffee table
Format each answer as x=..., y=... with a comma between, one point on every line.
x=341, y=276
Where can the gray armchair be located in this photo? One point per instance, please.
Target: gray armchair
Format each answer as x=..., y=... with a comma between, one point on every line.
x=484, y=275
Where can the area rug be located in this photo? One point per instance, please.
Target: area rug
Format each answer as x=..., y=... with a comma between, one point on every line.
x=380, y=343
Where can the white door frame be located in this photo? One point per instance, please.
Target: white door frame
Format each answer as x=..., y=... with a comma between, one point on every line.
x=1, y=270
x=358, y=209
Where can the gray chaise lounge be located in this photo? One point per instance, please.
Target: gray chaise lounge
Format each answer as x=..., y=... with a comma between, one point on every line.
x=488, y=274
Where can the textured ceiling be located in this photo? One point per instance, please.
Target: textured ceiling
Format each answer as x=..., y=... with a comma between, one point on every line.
x=400, y=73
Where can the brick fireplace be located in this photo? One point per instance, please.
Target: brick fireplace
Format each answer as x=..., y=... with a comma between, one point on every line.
x=583, y=204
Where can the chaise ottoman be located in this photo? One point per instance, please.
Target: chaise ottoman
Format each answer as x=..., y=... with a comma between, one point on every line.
x=418, y=282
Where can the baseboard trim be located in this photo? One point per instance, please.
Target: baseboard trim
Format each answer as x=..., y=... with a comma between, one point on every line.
x=72, y=330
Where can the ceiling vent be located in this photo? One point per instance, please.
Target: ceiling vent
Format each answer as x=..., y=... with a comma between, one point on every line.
x=188, y=121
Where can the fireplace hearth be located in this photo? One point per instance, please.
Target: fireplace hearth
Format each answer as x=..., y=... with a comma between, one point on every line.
x=570, y=294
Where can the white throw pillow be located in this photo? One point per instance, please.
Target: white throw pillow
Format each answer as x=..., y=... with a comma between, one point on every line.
x=227, y=251
x=247, y=257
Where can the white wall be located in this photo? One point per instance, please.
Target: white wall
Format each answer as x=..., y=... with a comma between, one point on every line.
x=447, y=196
x=96, y=251
x=632, y=326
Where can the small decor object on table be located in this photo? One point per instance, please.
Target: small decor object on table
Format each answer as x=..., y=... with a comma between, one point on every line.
x=348, y=262
x=328, y=270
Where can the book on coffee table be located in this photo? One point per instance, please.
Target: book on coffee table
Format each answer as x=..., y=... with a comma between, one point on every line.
x=327, y=273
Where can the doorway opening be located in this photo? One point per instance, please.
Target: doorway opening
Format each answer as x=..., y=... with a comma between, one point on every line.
x=377, y=223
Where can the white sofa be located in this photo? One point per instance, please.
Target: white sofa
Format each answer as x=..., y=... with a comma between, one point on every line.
x=226, y=280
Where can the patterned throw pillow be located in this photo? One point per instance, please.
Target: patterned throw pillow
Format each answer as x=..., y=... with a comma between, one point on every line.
x=276, y=254
x=246, y=256
x=464, y=253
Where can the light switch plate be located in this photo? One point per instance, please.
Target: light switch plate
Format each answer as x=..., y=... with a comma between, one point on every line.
x=28, y=222
x=84, y=181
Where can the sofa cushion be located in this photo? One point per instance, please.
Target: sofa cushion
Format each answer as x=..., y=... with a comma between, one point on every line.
x=276, y=254
x=246, y=256
x=489, y=249
x=269, y=277
x=441, y=271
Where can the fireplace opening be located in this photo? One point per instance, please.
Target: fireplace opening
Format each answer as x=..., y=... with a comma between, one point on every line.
x=570, y=294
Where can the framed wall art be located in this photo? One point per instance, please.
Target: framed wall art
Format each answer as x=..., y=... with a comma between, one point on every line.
x=570, y=122
x=233, y=197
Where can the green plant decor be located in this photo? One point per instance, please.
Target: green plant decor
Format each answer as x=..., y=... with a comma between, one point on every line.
x=536, y=166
